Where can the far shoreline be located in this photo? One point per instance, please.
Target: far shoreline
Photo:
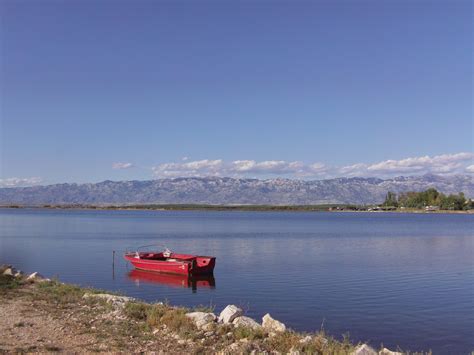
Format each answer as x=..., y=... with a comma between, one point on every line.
x=335, y=208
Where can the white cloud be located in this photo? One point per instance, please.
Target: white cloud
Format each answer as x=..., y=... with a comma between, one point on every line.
x=193, y=168
x=446, y=163
x=353, y=170
x=122, y=165
x=266, y=167
x=20, y=182
x=318, y=168
x=238, y=168
x=440, y=164
x=470, y=169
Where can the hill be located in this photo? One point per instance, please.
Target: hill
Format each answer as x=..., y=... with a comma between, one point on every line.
x=218, y=190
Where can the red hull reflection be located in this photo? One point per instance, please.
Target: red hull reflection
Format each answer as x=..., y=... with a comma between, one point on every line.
x=174, y=280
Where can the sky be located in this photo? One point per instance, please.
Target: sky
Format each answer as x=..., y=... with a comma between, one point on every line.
x=122, y=90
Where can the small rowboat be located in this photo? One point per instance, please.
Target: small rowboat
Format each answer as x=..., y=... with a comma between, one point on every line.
x=171, y=263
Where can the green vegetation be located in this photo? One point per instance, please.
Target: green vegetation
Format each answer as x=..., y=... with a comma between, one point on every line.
x=431, y=199
x=161, y=314
x=7, y=282
x=185, y=207
x=406, y=201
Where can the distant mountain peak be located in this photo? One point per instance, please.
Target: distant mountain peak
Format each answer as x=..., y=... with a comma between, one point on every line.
x=227, y=190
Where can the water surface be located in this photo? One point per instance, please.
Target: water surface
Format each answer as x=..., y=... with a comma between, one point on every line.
x=396, y=279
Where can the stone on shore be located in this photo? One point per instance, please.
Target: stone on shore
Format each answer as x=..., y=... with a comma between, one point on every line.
x=386, y=351
x=9, y=271
x=364, y=349
x=4, y=267
x=306, y=340
x=36, y=277
x=247, y=322
x=118, y=301
x=229, y=313
x=272, y=324
x=202, y=319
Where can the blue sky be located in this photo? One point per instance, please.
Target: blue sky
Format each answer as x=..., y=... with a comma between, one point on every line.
x=95, y=90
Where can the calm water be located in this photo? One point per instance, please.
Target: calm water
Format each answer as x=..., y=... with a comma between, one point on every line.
x=400, y=279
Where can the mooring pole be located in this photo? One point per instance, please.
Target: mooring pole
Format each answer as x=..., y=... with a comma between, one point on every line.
x=113, y=264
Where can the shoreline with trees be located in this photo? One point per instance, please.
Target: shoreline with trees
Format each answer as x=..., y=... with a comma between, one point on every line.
x=428, y=201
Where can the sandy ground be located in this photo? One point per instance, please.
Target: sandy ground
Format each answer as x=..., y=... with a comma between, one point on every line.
x=24, y=328
x=31, y=324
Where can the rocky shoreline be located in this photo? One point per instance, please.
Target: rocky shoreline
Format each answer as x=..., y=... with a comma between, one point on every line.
x=103, y=322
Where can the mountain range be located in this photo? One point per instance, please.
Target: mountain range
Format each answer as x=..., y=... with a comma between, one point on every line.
x=228, y=191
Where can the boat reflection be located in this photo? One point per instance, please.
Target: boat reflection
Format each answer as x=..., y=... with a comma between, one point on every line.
x=185, y=281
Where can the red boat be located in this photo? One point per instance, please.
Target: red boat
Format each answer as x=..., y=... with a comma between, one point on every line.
x=171, y=263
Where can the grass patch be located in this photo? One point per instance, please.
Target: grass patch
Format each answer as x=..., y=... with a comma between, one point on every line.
x=175, y=319
x=283, y=342
x=323, y=344
x=136, y=310
x=154, y=314
x=8, y=282
x=248, y=333
x=159, y=314
x=60, y=293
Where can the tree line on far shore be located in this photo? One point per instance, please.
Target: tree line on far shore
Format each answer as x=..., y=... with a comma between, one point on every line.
x=429, y=198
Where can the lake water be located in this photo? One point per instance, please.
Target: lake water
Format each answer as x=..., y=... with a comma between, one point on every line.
x=396, y=279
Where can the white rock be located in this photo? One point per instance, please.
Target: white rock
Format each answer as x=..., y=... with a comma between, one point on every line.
x=19, y=274
x=36, y=276
x=118, y=301
x=307, y=339
x=3, y=267
x=386, y=351
x=272, y=324
x=201, y=319
x=10, y=271
x=229, y=313
x=364, y=349
x=247, y=322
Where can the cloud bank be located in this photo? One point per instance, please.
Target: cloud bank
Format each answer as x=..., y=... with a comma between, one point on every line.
x=20, y=182
x=440, y=164
x=459, y=163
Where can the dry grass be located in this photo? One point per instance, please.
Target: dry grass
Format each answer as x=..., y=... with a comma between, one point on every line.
x=142, y=320
x=174, y=318
x=8, y=283
x=248, y=333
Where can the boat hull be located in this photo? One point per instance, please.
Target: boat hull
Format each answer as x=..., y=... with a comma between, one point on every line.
x=182, y=264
